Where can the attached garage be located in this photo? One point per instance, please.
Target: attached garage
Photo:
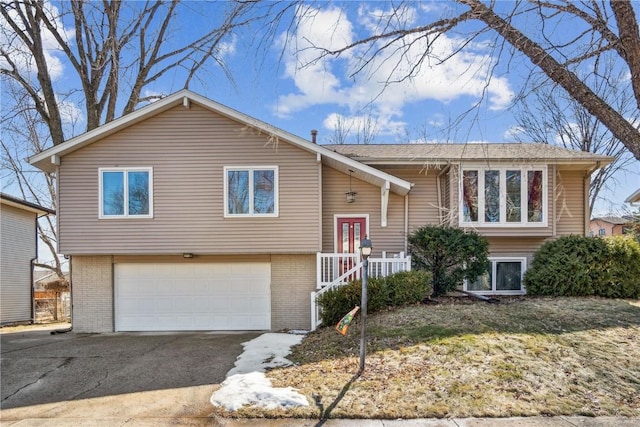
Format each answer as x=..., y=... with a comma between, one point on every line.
x=192, y=296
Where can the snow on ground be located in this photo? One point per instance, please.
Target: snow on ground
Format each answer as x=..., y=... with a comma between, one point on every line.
x=246, y=383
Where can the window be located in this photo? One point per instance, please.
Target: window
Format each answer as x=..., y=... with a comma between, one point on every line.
x=126, y=192
x=503, y=197
x=251, y=191
x=504, y=276
x=602, y=232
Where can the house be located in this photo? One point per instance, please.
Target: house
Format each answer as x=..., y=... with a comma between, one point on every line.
x=19, y=248
x=189, y=215
x=610, y=226
x=634, y=197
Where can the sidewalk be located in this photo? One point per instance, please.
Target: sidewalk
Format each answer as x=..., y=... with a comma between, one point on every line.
x=454, y=422
x=288, y=422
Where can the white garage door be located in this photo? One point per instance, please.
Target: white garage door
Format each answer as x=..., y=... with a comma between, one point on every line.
x=190, y=297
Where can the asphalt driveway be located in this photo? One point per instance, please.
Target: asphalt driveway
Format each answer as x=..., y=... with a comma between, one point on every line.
x=78, y=377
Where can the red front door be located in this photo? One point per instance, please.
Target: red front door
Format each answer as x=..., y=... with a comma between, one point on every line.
x=350, y=232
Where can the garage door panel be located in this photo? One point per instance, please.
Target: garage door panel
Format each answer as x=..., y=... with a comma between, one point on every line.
x=214, y=296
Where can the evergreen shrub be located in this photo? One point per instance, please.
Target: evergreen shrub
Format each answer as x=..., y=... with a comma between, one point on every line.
x=403, y=288
x=586, y=266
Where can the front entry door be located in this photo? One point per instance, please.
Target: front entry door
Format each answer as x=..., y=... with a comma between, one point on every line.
x=350, y=232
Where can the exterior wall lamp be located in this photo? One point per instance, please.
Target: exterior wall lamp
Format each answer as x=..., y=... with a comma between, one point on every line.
x=187, y=255
x=351, y=195
x=365, y=252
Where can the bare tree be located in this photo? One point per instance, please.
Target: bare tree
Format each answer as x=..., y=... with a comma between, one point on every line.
x=358, y=129
x=556, y=118
x=534, y=29
x=114, y=49
x=341, y=130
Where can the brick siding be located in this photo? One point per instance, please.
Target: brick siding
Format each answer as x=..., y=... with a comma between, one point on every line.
x=92, y=290
x=293, y=278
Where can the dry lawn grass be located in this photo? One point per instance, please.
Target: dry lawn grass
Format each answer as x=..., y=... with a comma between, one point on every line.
x=463, y=358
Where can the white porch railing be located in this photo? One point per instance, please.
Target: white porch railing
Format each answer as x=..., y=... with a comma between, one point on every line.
x=335, y=270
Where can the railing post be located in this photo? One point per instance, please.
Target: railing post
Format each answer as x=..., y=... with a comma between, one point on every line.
x=314, y=312
x=319, y=270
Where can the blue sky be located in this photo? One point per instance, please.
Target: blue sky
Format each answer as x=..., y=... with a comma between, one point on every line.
x=287, y=86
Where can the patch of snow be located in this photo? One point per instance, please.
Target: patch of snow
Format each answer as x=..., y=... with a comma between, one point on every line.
x=246, y=383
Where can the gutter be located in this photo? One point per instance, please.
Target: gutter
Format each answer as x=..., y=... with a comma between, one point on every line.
x=586, y=188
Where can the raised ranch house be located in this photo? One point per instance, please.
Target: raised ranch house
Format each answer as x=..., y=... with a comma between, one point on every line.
x=188, y=215
x=18, y=251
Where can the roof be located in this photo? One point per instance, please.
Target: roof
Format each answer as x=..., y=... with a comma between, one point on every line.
x=634, y=197
x=447, y=153
x=48, y=159
x=23, y=204
x=616, y=220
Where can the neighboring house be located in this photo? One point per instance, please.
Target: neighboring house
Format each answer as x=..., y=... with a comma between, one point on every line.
x=634, y=197
x=609, y=226
x=188, y=215
x=19, y=248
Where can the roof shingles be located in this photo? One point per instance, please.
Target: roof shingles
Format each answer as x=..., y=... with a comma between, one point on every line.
x=455, y=152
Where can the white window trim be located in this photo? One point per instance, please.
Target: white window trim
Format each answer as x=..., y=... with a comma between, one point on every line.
x=336, y=217
x=494, y=291
x=251, y=169
x=125, y=171
x=503, y=197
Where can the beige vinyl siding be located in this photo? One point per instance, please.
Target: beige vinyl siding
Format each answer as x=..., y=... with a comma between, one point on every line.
x=570, y=203
x=385, y=239
x=423, y=198
x=18, y=248
x=515, y=247
x=188, y=150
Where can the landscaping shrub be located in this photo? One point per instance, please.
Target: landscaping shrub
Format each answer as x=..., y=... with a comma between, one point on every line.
x=623, y=266
x=586, y=266
x=407, y=287
x=450, y=254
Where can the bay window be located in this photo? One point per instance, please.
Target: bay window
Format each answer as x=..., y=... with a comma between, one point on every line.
x=507, y=196
x=251, y=191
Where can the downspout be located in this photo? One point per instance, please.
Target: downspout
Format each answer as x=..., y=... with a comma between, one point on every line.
x=406, y=224
x=69, y=329
x=586, y=187
x=439, y=191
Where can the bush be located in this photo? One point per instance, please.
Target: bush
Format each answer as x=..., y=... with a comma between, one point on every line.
x=450, y=254
x=586, y=266
x=623, y=265
x=407, y=287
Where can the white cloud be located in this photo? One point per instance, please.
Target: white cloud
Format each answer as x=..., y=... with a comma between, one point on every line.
x=513, y=132
x=70, y=113
x=228, y=48
x=393, y=78
x=19, y=53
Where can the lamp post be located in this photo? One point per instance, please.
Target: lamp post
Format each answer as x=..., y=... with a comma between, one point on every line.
x=365, y=251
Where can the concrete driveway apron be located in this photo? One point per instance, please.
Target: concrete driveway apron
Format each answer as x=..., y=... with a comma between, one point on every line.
x=82, y=378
